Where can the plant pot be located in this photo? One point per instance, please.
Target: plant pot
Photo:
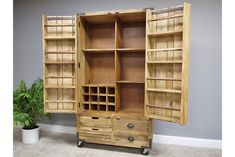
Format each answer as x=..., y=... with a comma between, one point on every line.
x=30, y=135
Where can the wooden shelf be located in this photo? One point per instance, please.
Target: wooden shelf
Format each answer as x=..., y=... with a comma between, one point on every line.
x=164, y=33
x=166, y=49
x=131, y=50
x=164, y=90
x=164, y=107
x=59, y=52
x=128, y=81
x=165, y=18
x=59, y=76
x=161, y=78
x=98, y=50
x=60, y=38
x=49, y=87
x=60, y=101
x=59, y=25
x=59, y=62
x=164, y=62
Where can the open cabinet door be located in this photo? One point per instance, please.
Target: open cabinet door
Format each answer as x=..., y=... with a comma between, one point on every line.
x=167, y=63
x=60, y=63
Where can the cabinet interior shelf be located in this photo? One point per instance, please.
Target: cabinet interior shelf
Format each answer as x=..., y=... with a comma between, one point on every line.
x=157, y=34
x=165, y=18
x=98, y=50
x=131, y=50
x=128, y=81
x=164, y=90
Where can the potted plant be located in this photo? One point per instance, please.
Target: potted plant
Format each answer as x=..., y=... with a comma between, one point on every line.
x=28, y=108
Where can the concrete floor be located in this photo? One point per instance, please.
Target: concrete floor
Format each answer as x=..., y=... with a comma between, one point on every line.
x=64, y=145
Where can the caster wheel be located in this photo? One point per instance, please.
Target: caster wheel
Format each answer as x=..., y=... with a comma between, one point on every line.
x=80, y=143
x=144, y=151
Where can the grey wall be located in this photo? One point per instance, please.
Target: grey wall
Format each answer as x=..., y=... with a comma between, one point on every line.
x=205, y=100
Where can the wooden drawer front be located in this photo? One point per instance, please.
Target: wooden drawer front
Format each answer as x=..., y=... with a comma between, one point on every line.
x=131, y=139
x=130, y=125
x=104, y=122
x=94, y=133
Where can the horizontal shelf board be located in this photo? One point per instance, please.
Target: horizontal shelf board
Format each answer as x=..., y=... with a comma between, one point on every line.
x=166, y=49
x=170, y=119
x=165, y=18
x=60, y=38
x=110, y=104
x=85, y=102
x=60, y=101
x=164, y=107
x=60, y=18
x=99, y=85
x=59, y=52
x=164, y=90
x=59, y=25
x=60, y=111
x=128, y=81
x=164, y=62
x=59, y=76
x=59, y=62
x=98, y=50
x=131, y=50
x=164, y=33
x=162, y=78
x=61, y=87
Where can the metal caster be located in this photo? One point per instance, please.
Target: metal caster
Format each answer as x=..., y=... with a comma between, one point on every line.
x=80, y=143
x=144, y=151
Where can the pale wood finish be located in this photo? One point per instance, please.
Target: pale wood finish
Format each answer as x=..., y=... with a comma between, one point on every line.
x=118, y=71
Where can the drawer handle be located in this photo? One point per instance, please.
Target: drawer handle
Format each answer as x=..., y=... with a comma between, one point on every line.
x=95, y=117
x=130, y=138
x=130, y=125
x=95, y=129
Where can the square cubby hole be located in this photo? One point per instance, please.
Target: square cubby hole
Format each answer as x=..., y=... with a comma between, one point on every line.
x=93, y=90
x=111, y=90
x=86, y=106
x=102, y=90
x=85, y=98
x=94, y=107
x=111, y=99
x=86, y=89
x=102, y=107
x=111, y=108
x=94, y=98
x=102, y=99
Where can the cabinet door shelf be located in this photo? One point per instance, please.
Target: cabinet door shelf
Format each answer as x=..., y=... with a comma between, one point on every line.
x=98, y=50
x=166, y=49
x=162, y=78
x=158, y=34
x=60, y=38
x=59, y=25
x=164, y=62
x=59, y=62
x=59, y=52
x=166, y=18
x=68, y=87
x=164, y=90
x=164, y=107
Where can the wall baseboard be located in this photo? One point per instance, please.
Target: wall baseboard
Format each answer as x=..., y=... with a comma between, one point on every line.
x=162, y=139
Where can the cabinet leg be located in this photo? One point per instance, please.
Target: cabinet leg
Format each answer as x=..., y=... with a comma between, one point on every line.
x=144, y=151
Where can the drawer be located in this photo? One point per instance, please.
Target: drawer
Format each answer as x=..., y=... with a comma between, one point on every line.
x=131, y=139
x=95, y=134
x=94, y=121
x=130, y=125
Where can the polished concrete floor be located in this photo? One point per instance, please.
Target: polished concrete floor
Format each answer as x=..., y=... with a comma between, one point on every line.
x=63, y=145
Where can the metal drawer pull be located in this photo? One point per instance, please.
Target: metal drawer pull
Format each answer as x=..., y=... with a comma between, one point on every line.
x=95, y=117
x=130, y=125
x=95, y=129
x=130, y=138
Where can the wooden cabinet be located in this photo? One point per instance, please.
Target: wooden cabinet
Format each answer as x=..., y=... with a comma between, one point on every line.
x=117, y=71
